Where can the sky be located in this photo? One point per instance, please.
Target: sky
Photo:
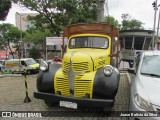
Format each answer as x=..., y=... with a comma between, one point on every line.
x=141, y=10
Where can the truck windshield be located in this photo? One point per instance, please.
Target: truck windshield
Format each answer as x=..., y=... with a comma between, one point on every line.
x=89, y=42
x=30, y=62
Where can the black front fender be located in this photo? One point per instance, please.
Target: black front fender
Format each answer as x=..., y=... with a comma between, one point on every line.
x=106, y=86
x=45, y=79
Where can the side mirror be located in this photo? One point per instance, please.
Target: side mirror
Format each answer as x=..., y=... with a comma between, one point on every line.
x=131, y=70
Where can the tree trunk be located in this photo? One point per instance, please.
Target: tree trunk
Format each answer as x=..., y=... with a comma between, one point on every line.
x=10, y=49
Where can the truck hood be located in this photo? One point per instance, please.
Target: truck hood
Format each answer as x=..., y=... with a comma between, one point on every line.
x=94, y=54
x=95, y=58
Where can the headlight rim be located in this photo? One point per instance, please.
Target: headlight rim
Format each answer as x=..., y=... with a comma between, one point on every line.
x=44, y=67
x=110, y=67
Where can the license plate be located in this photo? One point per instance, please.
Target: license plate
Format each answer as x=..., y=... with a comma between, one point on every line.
x=68, y=104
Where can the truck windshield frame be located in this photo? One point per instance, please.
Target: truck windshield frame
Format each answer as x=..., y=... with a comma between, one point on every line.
x=98, y=42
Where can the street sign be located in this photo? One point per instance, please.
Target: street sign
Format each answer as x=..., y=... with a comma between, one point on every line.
x=55, y=40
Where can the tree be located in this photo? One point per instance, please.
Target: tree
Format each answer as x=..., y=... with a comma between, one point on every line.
x=9, y=33
x=128, y=23
x=34, y=52
x=37, y=38
x=112, y=20
x=59, y=13
x=5, y=6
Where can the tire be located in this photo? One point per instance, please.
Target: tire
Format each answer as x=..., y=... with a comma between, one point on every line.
x=50, y=103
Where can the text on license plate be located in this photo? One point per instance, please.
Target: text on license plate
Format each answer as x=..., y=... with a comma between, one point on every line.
x=68, y=104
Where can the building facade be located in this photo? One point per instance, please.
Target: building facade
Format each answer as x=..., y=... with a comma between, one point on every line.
x=22, y=22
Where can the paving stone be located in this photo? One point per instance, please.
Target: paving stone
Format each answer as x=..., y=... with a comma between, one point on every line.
x=12, y=94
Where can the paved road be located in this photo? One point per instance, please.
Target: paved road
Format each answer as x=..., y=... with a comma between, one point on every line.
x=12, y=94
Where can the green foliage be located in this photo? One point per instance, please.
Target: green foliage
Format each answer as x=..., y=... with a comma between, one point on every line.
x=128, y=23
x=34, y=52
x=9, y=33
x=59, y=13
x=113, y=21
x=37, y=36
x=5, y=6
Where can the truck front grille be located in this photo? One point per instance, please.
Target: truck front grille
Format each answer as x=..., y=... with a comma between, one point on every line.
x=66, y=66
x=82, y=87
x=77, y=67
x=62, y=85
x=82, y=66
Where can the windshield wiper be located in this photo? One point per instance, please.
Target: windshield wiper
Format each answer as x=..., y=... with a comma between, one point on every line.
x=150, y=74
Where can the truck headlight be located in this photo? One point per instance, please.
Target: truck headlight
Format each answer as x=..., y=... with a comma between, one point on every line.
x=108, y=70
x=140, y=102
x=43, y=65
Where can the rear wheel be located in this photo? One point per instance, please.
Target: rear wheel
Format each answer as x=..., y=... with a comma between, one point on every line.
x=50, y=103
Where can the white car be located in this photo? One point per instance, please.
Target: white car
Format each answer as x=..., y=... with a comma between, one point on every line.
x=145, y=86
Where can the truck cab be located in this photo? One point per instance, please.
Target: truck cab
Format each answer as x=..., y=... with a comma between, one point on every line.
x=88, y=75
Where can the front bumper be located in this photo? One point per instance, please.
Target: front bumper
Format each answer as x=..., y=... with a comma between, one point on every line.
x=80, y=101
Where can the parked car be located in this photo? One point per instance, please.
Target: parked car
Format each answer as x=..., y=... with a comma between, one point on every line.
x=2, y=62
x=57, y=59
x=1, y=67
x=28, y=64
x=145, y=85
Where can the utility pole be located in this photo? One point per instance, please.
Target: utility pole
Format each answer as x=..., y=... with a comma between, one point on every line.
x=155, y=8
x=20, y=25
x=158, y=23
x=100, y=11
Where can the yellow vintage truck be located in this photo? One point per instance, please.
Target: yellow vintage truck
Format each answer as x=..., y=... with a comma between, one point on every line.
x=88, y=75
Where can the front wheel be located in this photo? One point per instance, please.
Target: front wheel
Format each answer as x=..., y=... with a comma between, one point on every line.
x=50, y=103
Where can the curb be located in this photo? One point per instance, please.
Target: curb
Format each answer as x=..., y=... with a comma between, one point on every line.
x=11, y=75
x=128, y=77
